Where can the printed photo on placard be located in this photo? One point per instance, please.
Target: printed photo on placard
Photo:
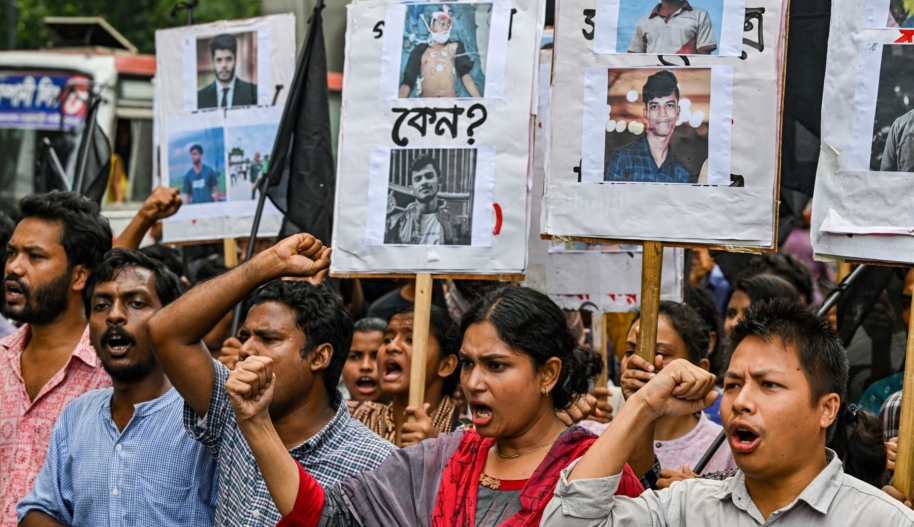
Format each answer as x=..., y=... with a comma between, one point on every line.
x=558, y=246
x=196, y=165
x=888, y=14
x=670, y=27
x=227, y=70
x=249, y=149
x=656, y=125
x=451, y=50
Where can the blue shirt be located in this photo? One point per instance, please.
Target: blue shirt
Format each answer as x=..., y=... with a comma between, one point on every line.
x=634, y=163
x=343, y=448
x=149, y=474
x=200, y=186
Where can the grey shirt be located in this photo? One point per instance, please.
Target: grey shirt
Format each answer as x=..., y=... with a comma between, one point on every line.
x=899, y=146
x=833, y=499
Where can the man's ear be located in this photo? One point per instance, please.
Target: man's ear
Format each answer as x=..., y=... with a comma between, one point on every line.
x=447, y=366
x=78, y=277
x=704, y=364
x=320, y=357
x=830, y=406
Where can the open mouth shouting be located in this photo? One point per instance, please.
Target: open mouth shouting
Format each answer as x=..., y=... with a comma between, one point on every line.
x=117, y=341
x=481, y=413
x=744, y=439
x=366, y=385
x=14, y=290
x=393, y=370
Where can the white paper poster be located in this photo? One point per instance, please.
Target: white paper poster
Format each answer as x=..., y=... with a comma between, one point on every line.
x=866, y=161
x=674, y=146
x=216, y=88
x=436, y=136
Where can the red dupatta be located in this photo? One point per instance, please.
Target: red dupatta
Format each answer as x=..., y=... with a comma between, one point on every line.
x=455, y=505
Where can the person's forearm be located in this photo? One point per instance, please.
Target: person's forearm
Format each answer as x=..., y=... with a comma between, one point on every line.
x=607, y=457
x=642, y=457
x=279, y=470
x=470, y=85
x=193, y=315
x=133, y=235
x=39, y=519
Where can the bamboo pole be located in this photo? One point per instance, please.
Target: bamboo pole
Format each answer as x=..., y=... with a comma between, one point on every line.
x=230, y=252
x=419, y=360
x=600, y=324
x=651, y=266
x=904, y=466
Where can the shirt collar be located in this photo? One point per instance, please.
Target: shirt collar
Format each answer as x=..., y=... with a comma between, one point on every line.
x=331, y=430
x=231, y=86
x=146, y=408
x=818, y=494
x=656, y=11
x=13, y=346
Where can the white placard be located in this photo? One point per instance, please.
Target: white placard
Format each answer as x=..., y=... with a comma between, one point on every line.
x=436, y=183
x=216, y=84
x=587, y=130
x=865, y=162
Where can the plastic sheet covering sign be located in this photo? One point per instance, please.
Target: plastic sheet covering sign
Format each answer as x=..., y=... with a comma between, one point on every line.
x=666, y=119
x=42, y=99
x=862, y=209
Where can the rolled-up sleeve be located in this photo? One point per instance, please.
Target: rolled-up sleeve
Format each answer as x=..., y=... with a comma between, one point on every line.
x=52, y=493
x=593, y=503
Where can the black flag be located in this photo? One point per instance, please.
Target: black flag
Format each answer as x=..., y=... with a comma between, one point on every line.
x=51, y=174
x=94, y=158
x=301, y=170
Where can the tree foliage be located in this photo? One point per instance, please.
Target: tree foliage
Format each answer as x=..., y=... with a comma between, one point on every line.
x=137, y=20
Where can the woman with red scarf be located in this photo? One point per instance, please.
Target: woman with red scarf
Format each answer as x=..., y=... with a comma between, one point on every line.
x=519, y=364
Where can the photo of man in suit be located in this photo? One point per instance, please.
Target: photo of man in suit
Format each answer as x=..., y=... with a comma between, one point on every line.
x=226, y=90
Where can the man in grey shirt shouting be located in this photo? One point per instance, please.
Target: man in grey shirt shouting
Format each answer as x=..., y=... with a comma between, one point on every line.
x=782, y=395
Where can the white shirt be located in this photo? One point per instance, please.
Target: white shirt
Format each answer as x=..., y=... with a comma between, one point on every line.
x=228, y=96
x=687, y=31
x=430, y=230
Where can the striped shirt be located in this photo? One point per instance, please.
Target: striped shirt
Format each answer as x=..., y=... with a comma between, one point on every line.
x=342, y=448
x=149, y=474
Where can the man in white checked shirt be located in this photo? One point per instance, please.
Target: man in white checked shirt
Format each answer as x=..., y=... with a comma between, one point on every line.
x=782, y=395
x=674, y=27
x=119, y=456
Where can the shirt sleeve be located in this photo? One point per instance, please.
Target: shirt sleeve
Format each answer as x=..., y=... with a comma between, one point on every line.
x=52, y=493
x=187, y=187
x=705, y=41
x=211, y=180
x=411, y=72
x=595, y=503
x=616, y=167
x=638, y=45
x=890, y=414
x=889, y=159
x=210, y=429
x=463, y=63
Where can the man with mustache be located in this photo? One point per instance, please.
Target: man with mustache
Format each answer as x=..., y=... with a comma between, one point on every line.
x=122, y=452
x=226, y=90
x=49, y=361
x=783, y=392
x=649, y=159
x=426, y=221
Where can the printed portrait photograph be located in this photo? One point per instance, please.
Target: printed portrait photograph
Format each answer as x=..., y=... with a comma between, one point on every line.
x=196, y=165
x=227, y=70
x=893, y=122
x=657, y=125
x=249, y=149
x=445, y=50
x=892, y=14
x=430, y=194
x=559, y=246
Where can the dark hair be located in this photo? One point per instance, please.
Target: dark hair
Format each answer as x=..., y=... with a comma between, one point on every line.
x=421, y=162
x=86, y=233
x=660, y=84
x=7, y=226
x=210, y=270
x=786, y=266
x=764, y=287
x=167, y=255
x=701, y=301
x=167, y=284
x=225, y=42
x=369, y=324
x=197, y=147
x=821, y=355
x=442, y=327
x=861, y=447
x=531, y=323
x=690, y=326
x=321, y=316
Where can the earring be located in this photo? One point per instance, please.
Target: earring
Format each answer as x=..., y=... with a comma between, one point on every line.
x=545, y=392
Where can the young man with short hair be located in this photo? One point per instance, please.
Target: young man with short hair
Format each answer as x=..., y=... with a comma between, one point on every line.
x=306, y=331
x=106, y=465
x=674, y=26
x=200, y=184
x=49, y=361
x=226, y=90
x=782, y=396
x=428, y=220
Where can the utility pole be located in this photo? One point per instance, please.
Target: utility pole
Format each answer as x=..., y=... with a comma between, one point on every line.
x=10, y=24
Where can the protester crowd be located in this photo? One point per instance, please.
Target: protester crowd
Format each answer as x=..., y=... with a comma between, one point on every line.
x=128, y=400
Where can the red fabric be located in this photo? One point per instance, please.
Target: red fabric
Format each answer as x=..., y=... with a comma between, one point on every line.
x=309, y=503
x=456, y=502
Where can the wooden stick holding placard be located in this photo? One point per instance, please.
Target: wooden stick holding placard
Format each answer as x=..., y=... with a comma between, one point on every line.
x=904, y=466
x=230, y=252
x=421, y=314
x=651, y=267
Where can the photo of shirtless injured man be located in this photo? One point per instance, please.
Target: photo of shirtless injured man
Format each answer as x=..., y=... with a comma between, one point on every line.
x=444, y=50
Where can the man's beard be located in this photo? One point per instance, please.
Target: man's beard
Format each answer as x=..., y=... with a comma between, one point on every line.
x=231, y=75
x=130, y=373
x=50, y=301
